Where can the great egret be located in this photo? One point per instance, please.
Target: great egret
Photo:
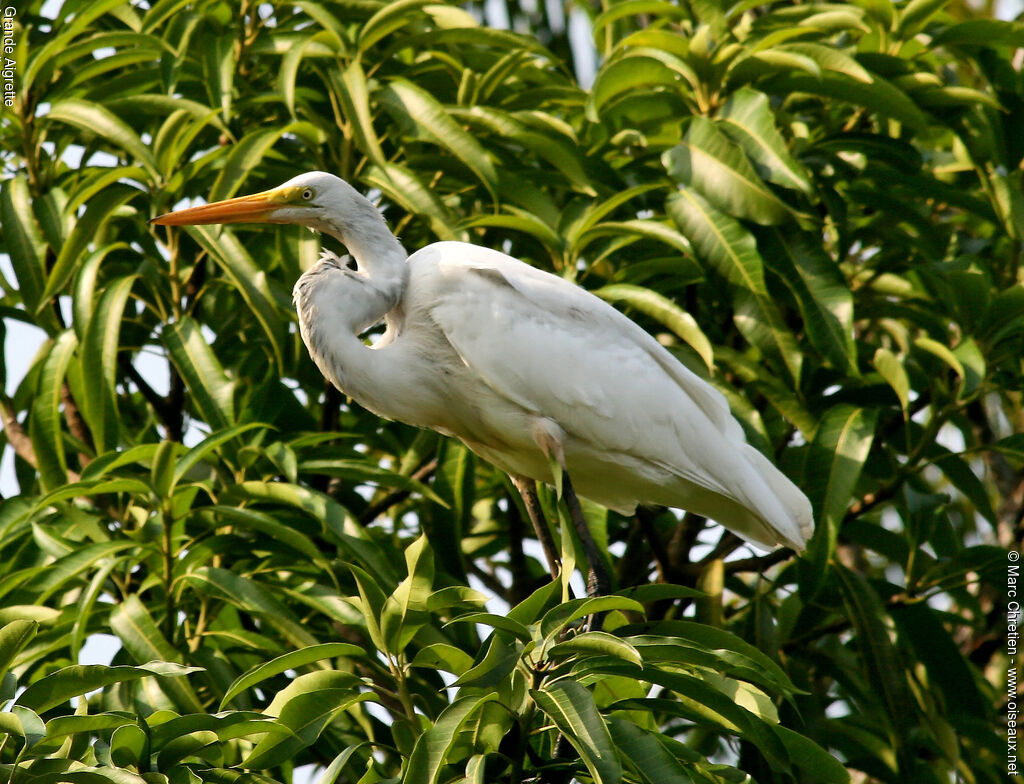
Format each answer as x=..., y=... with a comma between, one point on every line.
x=531, y=372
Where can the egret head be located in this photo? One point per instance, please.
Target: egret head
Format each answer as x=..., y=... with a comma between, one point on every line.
x=318, y=200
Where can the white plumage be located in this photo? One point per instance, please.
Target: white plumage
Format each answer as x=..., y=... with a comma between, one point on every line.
x=519, y=364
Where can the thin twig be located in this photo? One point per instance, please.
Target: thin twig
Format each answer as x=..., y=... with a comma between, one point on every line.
x=395, y=496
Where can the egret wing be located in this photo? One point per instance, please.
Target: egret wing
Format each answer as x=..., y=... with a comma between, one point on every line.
x=562, y=353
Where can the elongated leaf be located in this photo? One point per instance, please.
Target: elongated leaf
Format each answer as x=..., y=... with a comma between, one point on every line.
x=747, y=119
x=558, y=151
x=250, y=281
x=98, y=359
x=437, y=125
x=96, y=119
x=664, y=310
x=194, y=455
x=709, y=162
x=353, y=94
x=874, y=630
x=403, y=186
x=499, y=660
x=812, y=758
x=337, y=526
x=250, y=596
x=63, y=684
x=982, y=32
x=596, y=643
x=289, y=661
x=23, y=241
x=388, y=19
x=211, y=390
x=890, y=367
x=305, y=707
x=572, y=710
x=248, y=153
x=821, y=293
x=556, y=619
x=132, y=623
x=45, y=423
x=625, y=78
x=651, y=760
x=430, y=754
x=718, y=239
x=878, y=95
x=758, y=319
x=14, y=636
x=404, y=612
x=837, y=454
x=504, y=623
x=100, y=210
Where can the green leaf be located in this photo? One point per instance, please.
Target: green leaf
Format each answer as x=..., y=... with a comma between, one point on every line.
x=664, y=310
x=250, y=596
x=288, y=661
x=193, y=456
x=245, y=155
x=14, y=636
x=98, y=358
x=558, y=618
x=101, y=209
x=596, y=644
x=442, y=656
x=890, y=367
x=403, y=186
x=430, y=754
x=132, y=623
x=499, y=660
x=942, y=351
x=404, y=612
x=572, y=710
x=651, y=759
x=306, y=706
x=981, y=32
x=23, y=241
x=878, y=95
x=500, y=622
x=61, y=685
x=820, y=291
x=92, y=118
x=718, y=239
x=353, y=94
x=249, y=280
x=759, y=321
x=45, y=425
x=812, y=758
x=874, y=630
x=387, y=20
x=625, y=78
x=212, y=392
x=434, y=122
x=708, y=161
x=838, y=450
x=748, y=120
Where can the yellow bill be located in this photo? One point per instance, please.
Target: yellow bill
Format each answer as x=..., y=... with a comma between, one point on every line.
x=257, y=208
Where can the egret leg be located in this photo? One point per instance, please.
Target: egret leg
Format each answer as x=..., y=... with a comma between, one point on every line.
x=528, y=490
x=598, y=580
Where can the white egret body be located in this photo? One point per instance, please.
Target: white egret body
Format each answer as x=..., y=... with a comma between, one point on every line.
x=521, y=365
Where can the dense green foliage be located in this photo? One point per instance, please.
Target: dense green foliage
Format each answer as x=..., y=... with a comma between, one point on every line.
x=818, y=207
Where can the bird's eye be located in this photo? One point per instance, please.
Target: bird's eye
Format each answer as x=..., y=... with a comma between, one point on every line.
x=307, y=193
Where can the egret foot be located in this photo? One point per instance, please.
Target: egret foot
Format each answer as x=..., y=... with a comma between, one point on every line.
x=528, y=490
